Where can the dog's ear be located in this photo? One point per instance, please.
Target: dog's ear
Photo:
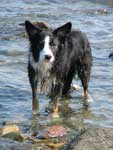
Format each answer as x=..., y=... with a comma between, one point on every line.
x=63, y=30
x=31, y=29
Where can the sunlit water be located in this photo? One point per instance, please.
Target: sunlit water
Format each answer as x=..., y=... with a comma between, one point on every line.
x=93, y=18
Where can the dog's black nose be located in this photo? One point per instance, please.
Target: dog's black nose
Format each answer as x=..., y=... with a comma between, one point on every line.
x=47, y=57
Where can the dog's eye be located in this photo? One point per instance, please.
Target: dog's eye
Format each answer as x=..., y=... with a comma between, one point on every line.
x=52, y=44
x=55, y=46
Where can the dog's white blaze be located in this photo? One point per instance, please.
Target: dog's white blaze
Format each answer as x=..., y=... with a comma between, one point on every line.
x=32, y=61
x=43, y=66
x=46, y=50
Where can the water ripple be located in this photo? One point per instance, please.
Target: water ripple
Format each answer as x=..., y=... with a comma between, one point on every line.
x=92, y=17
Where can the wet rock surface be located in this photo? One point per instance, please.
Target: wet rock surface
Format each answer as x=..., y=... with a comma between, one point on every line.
x=8, y=129
x=14, y=136
x=94, y=138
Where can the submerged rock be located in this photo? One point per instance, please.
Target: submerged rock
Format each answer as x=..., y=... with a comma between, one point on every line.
x=14, y=136
x=56, y=131
x=52, y=132
x=39, y=24
x=8, y=128
x=92, y=139
x=12, y=132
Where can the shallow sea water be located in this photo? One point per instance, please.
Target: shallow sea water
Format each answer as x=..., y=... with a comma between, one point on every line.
x=95, y=18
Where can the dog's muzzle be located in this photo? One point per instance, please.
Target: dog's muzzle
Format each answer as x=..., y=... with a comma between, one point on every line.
x=47, y=57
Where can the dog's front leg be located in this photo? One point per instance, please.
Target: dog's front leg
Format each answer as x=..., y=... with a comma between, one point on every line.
x=35, y=103
x=33, y=82
x=57, y=90
x=55, y=107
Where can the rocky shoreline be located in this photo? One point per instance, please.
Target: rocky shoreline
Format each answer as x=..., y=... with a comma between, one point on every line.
x=94, y=138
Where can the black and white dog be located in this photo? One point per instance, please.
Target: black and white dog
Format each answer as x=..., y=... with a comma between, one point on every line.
x=55, y=57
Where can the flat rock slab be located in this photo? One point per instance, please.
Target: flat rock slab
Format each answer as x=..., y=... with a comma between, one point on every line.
x=95, y=138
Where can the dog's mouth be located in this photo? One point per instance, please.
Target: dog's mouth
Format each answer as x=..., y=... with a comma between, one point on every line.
x=47, y=61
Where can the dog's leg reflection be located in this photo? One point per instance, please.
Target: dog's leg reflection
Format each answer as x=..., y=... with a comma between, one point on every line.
x=35, y=125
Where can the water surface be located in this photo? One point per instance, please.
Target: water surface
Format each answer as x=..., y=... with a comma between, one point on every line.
x=95, y=18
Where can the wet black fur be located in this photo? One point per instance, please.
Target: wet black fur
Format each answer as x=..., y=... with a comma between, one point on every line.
x=72, y=56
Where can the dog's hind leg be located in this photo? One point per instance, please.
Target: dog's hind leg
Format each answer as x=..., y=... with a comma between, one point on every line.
x=56, y=93
x=67, y=86
x=84, y=77
x=84, y=71
x=33, y=82
x=68, y=81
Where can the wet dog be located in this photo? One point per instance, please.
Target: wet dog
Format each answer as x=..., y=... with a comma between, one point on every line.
x=55, y=57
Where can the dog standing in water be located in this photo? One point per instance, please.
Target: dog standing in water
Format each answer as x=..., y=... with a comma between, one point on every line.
x=55, y=57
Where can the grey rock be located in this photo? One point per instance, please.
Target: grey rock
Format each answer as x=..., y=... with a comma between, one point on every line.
x=95, y=138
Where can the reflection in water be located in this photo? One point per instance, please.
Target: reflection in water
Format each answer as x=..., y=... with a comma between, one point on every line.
x=70, y=118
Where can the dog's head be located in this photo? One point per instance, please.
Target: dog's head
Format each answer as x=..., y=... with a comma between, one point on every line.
x=46, y=43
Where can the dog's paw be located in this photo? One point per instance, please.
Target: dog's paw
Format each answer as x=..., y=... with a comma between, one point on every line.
x=34, y=112
x=90, y=98
x=87, y=98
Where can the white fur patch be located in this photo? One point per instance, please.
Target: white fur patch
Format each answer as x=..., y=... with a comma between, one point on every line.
x=46, y=50
x=42, y=67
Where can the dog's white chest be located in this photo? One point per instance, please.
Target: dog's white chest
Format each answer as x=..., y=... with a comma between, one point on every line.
x=42, y=67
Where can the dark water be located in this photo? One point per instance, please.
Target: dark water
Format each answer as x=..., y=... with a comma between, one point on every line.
x=95, y=18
